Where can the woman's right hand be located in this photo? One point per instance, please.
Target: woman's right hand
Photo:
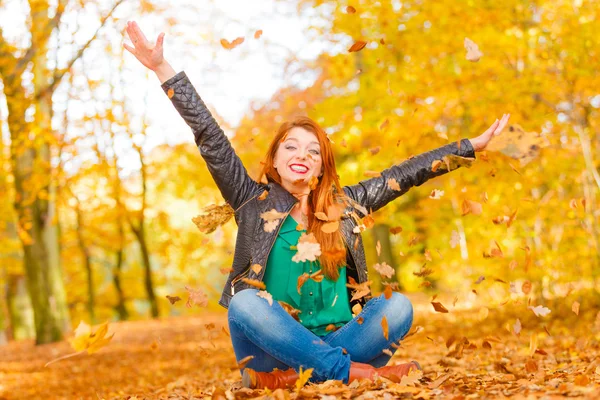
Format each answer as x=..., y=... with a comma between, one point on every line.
x=149, y=55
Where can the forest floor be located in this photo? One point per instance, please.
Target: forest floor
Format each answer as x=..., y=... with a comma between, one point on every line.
x=464, y=354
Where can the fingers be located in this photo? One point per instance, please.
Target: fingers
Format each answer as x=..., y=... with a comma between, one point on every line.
x=160, y=41
x=129, y=48
x=139, y=33
x=502, y=124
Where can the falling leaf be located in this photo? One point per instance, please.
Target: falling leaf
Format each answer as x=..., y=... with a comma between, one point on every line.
x=423, y=272
x=256, y=283
x=384, y=270
x=436, y=194
x=256, y=268
x=197, y=297
x=372, y=174
x=356, y=309
x=242, y=363
x=265, y=295
x=357, y=46
x=517, y=327
x=439, y=307
x=540, y=311
x=473, y=53
x=575, y=307
x=526, y=287
x=360, y=320
x=289, y=309
x=384, y=125
x=387, y=292
x=393, y=184
x=330, y=227
x=231, y=45
x=384, y=326
x=331, y=328
x=271, y=225
x=533, y=343
x=471, y=207
x=212, y=217
x=480, y=279
x=361, y=289
x=350, y=10
x=312, y=183
x=308, y=248
x=388, y=352
x=435, y=165
x=303, y=377
x=170, y=93
x=173, y=299
x=321, y=216
x=531, y=366
x=258, y=34
x=375, y=150
x=395, y=230
x=378, y=248
x=302, y=279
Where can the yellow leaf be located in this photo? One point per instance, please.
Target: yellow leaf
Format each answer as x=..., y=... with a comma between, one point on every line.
x=384, y=326
x=303, y=377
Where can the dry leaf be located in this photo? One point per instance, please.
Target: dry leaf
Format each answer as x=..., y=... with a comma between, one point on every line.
x=473, y=52
x=393, y=184
x=575, y=307
x=308, y=248
x=197, y=297
x=439, y=307
x=526, y=287
x=321, y=216
x=301, y=281
x=540, y=311
x=242, y=363
x=256, y=268
x=303, y=377
x=350, y=10
x=231, y=45
x=265, y=295
x=384, y=270
x=258, y=34
x=436, y=194
x=256, y=283
x=173, y=299
x=384, y=326
x=330, y=227
x=170, y=93
x=357, y=46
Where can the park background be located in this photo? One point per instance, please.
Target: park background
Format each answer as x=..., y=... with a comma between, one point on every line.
x=100, y=180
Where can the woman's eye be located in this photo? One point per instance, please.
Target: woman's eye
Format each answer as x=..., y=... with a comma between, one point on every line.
x=290, y=148
x=315, y=152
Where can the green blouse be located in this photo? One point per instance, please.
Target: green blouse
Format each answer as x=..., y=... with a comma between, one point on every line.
x=320, y=303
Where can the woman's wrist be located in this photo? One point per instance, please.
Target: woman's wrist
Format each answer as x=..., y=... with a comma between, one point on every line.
x=164, y=72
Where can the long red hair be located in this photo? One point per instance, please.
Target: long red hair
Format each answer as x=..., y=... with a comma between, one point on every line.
x=328, y=196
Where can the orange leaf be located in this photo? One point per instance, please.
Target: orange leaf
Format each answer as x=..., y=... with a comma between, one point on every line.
x=384, y=326
x=357, y=46
x=255, y=283
x=258, y=34
x=439, y=307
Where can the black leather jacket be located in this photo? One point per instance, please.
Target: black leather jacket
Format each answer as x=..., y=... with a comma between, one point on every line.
x=253, y=244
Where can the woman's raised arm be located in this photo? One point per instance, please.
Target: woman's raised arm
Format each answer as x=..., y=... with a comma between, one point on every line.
x=224, y=165
x=375, y=193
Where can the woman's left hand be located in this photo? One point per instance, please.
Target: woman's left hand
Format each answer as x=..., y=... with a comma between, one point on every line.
x=480, y=142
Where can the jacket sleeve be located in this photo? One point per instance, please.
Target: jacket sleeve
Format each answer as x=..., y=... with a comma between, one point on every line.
x=224, y=165
x=375, y=193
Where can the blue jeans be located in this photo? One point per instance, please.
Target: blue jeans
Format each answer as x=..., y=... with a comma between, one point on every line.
x=276, y=340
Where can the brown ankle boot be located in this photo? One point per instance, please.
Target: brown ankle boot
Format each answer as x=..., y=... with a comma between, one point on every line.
x=366, y=371
x=273, y=380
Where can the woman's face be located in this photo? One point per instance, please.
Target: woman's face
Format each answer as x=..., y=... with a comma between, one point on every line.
x=298, y=158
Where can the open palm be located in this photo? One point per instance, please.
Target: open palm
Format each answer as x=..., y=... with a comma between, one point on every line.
x=149, y=54
x=480, y=142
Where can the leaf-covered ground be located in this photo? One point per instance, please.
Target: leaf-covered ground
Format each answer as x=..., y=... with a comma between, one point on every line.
x=464, y=354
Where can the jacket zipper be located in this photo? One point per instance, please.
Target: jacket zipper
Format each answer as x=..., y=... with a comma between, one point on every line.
x=240, y=276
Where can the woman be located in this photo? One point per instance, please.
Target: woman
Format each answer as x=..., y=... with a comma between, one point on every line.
x=299, y=236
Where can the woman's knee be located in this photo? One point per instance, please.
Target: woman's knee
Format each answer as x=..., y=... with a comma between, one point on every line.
x=243, y=302
x=402, y=310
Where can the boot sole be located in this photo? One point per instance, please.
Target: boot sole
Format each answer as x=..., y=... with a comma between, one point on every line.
x=246, y=379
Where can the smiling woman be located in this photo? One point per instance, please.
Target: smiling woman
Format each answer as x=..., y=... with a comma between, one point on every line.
x=311, y=323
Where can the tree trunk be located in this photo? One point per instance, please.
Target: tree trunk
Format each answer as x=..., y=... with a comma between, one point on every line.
x=139, y=234
x=19, y=308
x=120, y=307
x=88, y=266
x=381, y=234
